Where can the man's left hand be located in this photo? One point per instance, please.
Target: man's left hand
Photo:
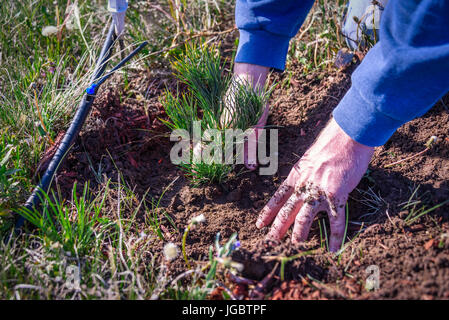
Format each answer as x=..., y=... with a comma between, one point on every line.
x=320, y=181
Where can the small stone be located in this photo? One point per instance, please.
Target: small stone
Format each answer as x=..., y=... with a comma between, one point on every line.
x=343, y=58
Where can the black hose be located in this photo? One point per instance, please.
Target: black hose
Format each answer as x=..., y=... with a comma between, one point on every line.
x=120, y=64
x=73, y=131
x=78, y=121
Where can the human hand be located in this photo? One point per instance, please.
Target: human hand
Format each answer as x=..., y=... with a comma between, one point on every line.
x=255, y=76
x=320, y=181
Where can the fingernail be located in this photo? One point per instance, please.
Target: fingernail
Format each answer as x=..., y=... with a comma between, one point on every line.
x=259, y=224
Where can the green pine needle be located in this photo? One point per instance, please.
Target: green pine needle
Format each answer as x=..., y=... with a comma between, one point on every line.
x=213, y=97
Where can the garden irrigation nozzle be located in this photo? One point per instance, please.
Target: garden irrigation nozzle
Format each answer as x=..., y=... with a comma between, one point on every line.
x=94, y=86
x=84, y=108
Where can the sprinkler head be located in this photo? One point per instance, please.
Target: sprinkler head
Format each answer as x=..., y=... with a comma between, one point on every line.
x=91, y=90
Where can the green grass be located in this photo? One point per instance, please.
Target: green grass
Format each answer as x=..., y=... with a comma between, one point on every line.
x=72, y=224
x=320, y=38
x=417, y=206
x=84, y=234
x=109, y=248
x=156, y=214
x=41, y=79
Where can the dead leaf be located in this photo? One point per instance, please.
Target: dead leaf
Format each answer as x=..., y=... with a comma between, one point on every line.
x=429, y=244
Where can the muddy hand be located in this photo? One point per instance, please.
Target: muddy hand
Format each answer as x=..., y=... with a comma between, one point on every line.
x=320, y=181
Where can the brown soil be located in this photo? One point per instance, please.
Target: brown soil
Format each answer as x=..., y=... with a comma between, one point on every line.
x=413, y=260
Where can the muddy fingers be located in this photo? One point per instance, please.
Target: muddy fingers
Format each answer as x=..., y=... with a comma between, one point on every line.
x=304, y=220
x=337, y=224
x=301, y=207
x=272, y=207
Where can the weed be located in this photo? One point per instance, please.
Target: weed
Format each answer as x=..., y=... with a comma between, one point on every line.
x=371, y=200
x=202, y=283
x=72, y=225
x=9, y=182
x=319, y=39
x=416, y=208
x=429, y=144
x=193, y=222
x=153, y=217
x=283, y=260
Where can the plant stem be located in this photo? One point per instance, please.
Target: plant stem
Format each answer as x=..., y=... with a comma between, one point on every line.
x=408, y=158
x=283, y=261
x=41, y=119
x=346, y=226
x=429, y=144
x=184, y=238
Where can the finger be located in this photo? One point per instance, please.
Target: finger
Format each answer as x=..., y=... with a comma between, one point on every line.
x=337, y=219
x=304, y=220
x=272, y=207
x=285, y=217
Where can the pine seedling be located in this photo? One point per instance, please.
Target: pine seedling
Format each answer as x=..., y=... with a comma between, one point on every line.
x=214, y=98
x=202, y=173
x=202, y=70
x=244, y=105
x=181, y=109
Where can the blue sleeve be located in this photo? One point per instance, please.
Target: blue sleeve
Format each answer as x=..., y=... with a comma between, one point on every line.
x=266, y=27
x=402, y=76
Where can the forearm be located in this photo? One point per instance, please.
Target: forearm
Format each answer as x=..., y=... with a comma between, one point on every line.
x=402, y=76
x=266, y=28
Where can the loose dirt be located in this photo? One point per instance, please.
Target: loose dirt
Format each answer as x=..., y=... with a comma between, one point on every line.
x=124, y=134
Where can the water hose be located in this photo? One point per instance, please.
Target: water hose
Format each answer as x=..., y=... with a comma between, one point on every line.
x=81, y=114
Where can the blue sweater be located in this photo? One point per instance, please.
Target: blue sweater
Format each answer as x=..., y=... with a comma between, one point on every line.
x=400, y=78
